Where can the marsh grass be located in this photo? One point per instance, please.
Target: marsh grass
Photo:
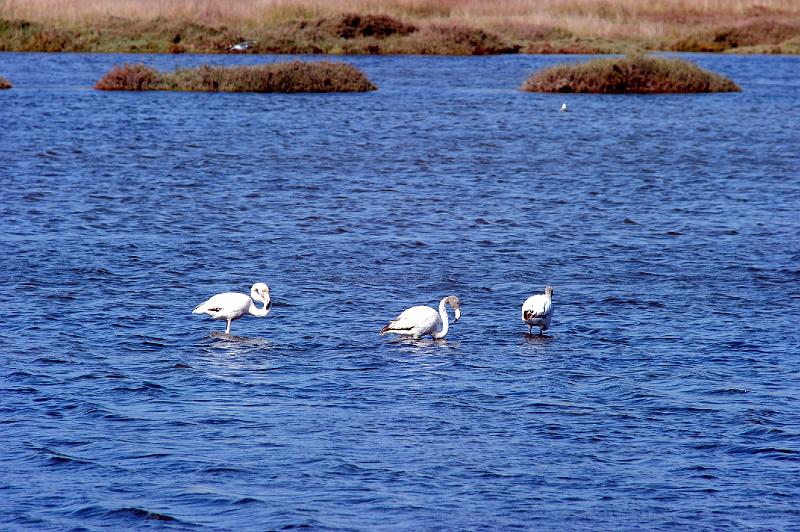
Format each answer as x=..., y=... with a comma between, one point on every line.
x=631, y=74
x=4, y=83
x=293, y=76
x=399, y=26
x=756, y=33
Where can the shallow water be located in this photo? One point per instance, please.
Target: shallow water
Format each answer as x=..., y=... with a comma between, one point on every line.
x=665, y=394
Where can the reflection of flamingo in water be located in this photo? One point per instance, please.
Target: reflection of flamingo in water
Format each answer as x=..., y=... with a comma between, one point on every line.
x=537, y=311
x=231, y=306
x=422, y=320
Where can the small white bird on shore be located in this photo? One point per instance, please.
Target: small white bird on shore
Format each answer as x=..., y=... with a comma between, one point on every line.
x=231, y=306
x=563, y=107
x=537, y=311
x=241, y=47
x=422, y=320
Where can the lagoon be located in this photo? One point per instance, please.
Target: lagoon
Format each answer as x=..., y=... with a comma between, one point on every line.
x=664, y=395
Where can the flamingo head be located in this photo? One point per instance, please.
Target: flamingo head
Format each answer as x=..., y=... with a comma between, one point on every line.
x=454, y=302
x=260, y=292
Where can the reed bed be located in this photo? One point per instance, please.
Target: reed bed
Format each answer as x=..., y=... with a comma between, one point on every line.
x=632, y=74
x=310, y=25
x=293, y=76
x=4, y=83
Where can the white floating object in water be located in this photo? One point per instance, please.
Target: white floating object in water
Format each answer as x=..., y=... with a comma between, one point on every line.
x=563, y=107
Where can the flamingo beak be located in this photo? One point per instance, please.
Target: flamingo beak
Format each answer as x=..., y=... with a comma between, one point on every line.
x=458, y=315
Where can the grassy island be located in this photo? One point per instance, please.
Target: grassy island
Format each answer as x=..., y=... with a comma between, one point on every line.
x=400, y=26
x=4, y=83
x=293, y=76
x=633, y=74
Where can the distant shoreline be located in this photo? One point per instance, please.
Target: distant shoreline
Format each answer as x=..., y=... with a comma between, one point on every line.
x=396, y=27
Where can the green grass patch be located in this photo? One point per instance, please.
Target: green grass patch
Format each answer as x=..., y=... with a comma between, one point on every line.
x=293, y=76
x=632, y=74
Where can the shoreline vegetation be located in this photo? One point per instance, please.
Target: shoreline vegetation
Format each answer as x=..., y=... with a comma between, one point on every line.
x=637, y=74
x=429, y=27
x=290, y=76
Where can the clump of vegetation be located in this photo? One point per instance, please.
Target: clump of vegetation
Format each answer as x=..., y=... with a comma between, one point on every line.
x=352, y=25
x=631, y=74
x=293, y=76
x=454, y=39
x=4, y=83
x=130, y=78
x=757, y=33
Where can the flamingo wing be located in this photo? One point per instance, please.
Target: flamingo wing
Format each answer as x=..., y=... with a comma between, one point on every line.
x=537, y=306
x=229, y=305
x=415, y=320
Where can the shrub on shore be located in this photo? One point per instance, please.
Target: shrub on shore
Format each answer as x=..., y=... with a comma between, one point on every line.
x=293, y=76
x=4, y=83
x=454, y=39
x=758, y=33
x=631, y=74
x=352, y=25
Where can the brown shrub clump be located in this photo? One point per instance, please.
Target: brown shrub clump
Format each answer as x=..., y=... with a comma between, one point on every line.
x=761, y=32
x=293, y=76
x=352, y=25
x=454, y=40
x=130, y=78
x=632, y=74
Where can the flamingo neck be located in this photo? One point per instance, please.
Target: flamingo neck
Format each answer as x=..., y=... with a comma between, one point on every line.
x=260, y=312
x=445, y=320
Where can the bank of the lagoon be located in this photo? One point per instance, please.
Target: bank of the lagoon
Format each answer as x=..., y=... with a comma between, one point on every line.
x=438, y=27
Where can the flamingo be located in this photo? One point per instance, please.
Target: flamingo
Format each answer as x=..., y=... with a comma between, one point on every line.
x=537, y=311
x=423, y=320
x=231, y=306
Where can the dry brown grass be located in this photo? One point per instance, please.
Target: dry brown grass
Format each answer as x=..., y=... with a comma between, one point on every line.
x=632, y=74
x=542, y=25
x=293, y=76
x=602, y=18
x=4, y=83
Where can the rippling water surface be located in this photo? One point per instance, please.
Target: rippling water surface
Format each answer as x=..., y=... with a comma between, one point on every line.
x=665, y=394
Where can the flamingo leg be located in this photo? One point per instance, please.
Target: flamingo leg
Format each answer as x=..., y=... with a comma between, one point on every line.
x=228, y=328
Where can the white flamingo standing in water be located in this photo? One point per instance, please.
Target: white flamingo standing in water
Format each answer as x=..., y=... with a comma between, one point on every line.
x=231, y=306
x=537, y=311
x=423, y=320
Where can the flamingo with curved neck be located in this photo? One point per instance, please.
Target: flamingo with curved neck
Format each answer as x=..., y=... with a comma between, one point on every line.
x=231, y=306
x=423, y=320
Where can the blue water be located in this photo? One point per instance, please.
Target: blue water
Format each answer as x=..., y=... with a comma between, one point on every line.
x=665, y=395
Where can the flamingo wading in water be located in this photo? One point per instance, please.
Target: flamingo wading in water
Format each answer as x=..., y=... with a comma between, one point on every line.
x=423, y=320
x=537, y=311
x=231, y=306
